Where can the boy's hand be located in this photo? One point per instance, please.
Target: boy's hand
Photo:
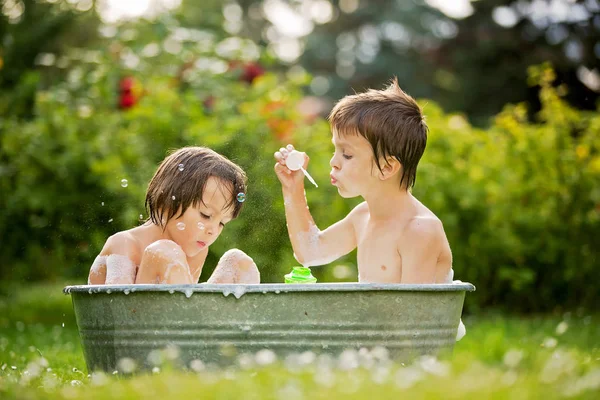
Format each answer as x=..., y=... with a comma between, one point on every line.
x=289, y=179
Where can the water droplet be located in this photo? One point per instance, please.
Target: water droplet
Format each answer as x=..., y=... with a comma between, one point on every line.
x=75, y=383
x=155, y=370
x=239, y=291
x=180, y=167
x=63, y=324
x=124, y=182
x=200, y=226
x=241, y=197
x=102, y=204
x=141, y=216
x=180, y=226
x=110, y=220
x=171, y=291
x=188, y=293
x=126, y=291
x=173, y=197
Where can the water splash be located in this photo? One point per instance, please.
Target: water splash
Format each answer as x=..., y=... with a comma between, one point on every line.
x=239, y=291
x=124, y=183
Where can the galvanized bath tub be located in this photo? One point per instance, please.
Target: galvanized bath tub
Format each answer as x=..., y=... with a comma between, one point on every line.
x=214, y=323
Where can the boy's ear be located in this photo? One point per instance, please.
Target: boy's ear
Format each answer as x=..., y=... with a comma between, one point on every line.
x=389, y=167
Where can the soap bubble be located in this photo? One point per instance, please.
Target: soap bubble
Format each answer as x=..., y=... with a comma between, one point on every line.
x=241, y=197
x=173, y=197
x=200, y=226
x=180, y=226
x=124, y=182
x=180, y=167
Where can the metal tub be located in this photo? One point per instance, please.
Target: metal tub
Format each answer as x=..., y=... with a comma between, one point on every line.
x=214, y=323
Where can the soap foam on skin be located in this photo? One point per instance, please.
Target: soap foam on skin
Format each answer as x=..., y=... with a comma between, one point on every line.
x=231, y=270
x=312, y=249
x=462, y=330
x=120, y=270
x=98, y=267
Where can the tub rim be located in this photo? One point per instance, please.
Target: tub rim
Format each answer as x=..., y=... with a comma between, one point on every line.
x=273, y=287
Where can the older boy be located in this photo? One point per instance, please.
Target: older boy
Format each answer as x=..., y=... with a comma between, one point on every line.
x=379, y=137
x=194, y=193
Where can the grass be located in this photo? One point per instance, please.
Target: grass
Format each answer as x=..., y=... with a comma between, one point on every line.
x=501, y=357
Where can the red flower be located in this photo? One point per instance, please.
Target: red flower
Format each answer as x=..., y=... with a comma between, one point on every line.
x=126, y=100
x=129, y=92
x=247, y=72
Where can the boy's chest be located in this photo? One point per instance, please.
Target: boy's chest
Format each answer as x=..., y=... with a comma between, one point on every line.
x=378, y=257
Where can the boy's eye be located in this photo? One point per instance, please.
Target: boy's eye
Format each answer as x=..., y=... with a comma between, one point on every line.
x=347, y=157
x=205, y=216
x=222, y=224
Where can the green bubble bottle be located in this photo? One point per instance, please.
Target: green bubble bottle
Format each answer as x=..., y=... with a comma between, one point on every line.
x=300, y=275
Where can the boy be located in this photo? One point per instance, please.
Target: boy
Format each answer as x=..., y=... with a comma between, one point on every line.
x=194, y=193
x=379, y=138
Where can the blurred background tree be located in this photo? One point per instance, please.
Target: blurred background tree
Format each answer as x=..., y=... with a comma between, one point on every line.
x=34, y=37
x=97, y=92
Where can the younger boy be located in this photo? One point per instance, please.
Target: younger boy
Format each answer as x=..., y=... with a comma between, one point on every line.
x=194, y=193
x=379, y=137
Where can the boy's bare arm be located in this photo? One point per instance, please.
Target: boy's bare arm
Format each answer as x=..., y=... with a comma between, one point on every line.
x=420, y=249
x=311, y=245
x=119, y=244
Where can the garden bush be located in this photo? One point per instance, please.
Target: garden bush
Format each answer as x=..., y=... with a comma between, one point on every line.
x=520, y=201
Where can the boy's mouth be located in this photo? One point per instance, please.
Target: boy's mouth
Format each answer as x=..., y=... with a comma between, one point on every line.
x=201, y=244
x=333, y=180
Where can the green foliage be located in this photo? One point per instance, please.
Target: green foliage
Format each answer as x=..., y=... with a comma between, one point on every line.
x=35, y=33
x=62, y=171
x=520, y=202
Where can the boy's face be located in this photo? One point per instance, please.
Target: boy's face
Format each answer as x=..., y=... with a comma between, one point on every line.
x=201, y=225
x=352, y=170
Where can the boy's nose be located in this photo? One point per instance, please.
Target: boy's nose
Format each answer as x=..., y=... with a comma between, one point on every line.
x=333, y=162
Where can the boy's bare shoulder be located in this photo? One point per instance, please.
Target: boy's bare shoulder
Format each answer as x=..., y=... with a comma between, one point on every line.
x=423, y=229
x=123, y=243
x=360, y=210
x=359, y=213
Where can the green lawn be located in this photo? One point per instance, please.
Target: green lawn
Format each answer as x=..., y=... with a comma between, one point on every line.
x=501, y=357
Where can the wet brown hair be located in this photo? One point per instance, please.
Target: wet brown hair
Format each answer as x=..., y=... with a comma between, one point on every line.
x=390, y=120
x=187, y=183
